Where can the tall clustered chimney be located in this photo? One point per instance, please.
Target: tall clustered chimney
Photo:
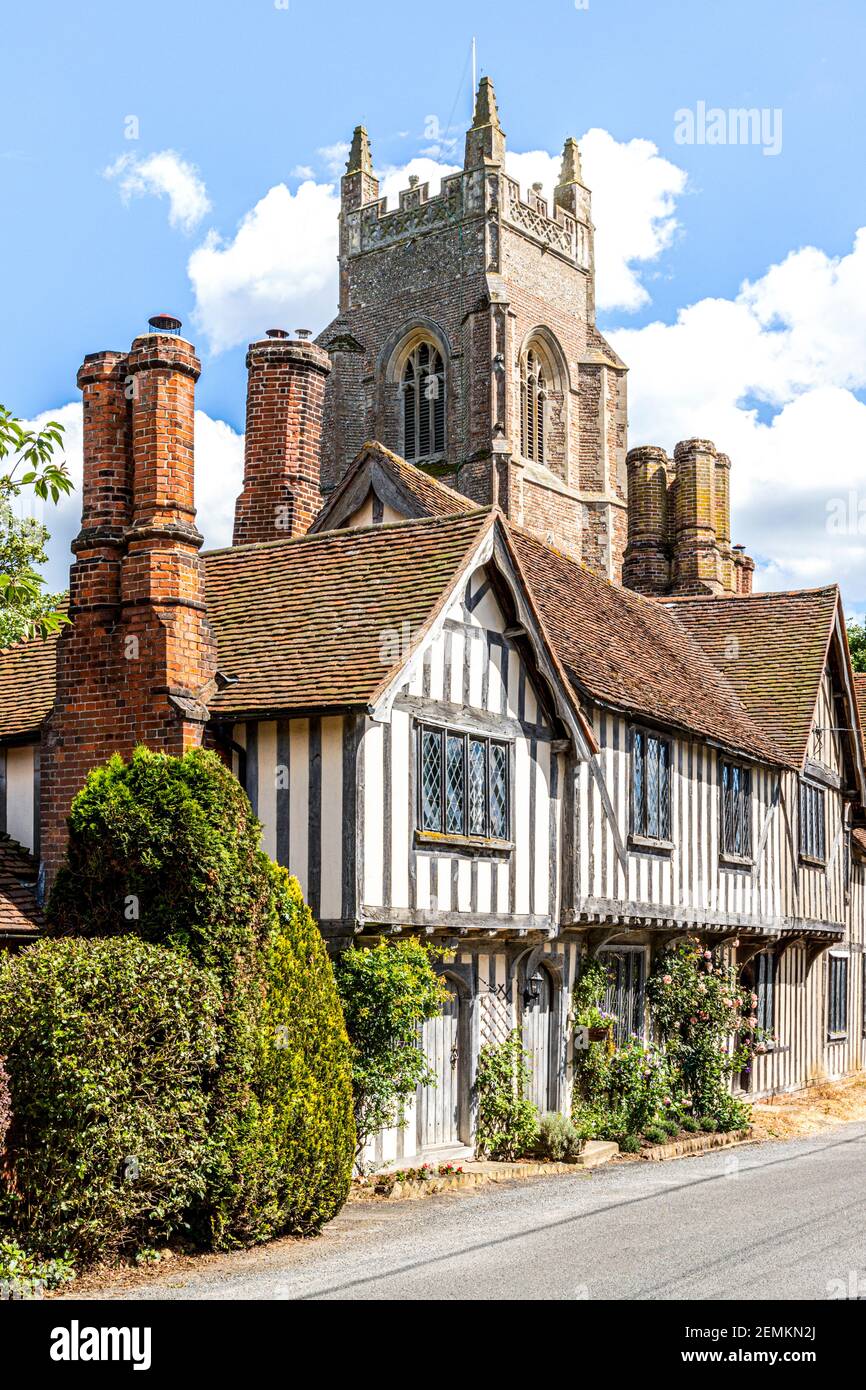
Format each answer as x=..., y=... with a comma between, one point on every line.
x=679, y=523
x=137, y=662
x=282, y=459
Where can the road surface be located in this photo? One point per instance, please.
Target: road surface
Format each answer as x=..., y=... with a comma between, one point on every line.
x=782, y=1220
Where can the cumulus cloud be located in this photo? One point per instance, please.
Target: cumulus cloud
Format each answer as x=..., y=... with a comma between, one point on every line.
x=771, y=376
x=219, y=466
x=279, y=269
x=163, y=174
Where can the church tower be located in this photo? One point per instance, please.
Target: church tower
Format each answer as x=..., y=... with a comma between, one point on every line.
x=466, y=342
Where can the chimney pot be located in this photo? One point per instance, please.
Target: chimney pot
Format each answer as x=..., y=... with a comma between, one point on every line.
x=165, y=323
x=303, y=333
x=276, y=333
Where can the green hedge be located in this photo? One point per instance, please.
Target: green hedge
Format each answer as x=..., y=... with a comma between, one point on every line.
x=109, y=1046
x=167, y=849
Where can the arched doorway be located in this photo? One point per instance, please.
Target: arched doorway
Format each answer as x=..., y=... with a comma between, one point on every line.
x=438, y=1107
x=538, y=1028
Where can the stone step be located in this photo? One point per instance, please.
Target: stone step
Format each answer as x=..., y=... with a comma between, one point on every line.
x=596, y=1152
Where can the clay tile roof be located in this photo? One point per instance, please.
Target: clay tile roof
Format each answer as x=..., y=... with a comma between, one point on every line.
x=773, y=649
x=27, y=681
x=437, y=498
x=19, y=915
x=631, y=652
x=431, y=497
x=860, y=695
x=301, y=623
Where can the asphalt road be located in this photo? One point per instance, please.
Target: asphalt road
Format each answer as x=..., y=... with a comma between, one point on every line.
x=778, y=1220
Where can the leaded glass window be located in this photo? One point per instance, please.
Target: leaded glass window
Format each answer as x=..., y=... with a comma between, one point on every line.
x=533, y=394
x=477, y=787
x=455, y=785
x=837, y=1002
x=463, y=784
x=624, y=995
x=812, y=832
x=736, y=810
x=431, y=779
x=423, y=389
x=499, y=791
x=651, y=786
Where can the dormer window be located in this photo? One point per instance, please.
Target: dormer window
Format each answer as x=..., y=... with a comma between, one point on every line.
x=423, y=390
x=533, y=394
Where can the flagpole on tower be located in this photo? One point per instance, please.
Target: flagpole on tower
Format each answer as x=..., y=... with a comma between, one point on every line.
x=474, y=75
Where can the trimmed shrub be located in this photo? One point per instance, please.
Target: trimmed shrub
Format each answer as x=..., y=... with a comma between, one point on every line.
x=671, y=1127
x=388, y=991
x=709, y=1124
x=559, y=1138
x=690, y=1124
x=656, y=1134
x=507, y=1121
x=286, y=1136
x=109, y=1045
x=167, y=849
x=629, y=1144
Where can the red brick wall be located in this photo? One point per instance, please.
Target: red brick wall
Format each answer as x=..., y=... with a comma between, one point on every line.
x=136, y=664
x=285, y=401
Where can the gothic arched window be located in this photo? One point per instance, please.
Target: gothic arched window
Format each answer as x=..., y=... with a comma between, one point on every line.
x=533, y=394
x=423, y=388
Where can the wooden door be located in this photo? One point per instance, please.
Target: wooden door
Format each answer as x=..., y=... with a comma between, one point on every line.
x=538, y=1033
x=439, y=1105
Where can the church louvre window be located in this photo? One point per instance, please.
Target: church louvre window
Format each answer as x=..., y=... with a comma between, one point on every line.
x=463, y=784
x=423, y=390
x=533, y=394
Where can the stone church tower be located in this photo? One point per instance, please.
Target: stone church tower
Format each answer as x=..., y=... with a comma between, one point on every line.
x=466, y=342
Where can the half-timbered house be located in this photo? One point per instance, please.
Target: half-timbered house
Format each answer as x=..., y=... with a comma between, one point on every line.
x=515, y=695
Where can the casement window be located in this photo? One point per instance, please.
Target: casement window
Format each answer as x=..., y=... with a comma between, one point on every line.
x=423, y=390
x=812, y=831
x=765, y=988
x=463, y=784
x=651, y=786
x=624, y=996
x=533, y=394
x=837, y=996
x=736, y=809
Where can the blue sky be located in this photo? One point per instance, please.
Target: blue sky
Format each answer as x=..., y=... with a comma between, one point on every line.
x=248, y=97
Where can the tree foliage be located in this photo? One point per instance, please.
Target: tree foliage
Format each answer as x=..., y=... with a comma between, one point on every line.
x=388, y=991
x=25, y=609
x=857, y=645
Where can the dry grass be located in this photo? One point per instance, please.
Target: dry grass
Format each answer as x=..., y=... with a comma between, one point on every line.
x=813, y=1111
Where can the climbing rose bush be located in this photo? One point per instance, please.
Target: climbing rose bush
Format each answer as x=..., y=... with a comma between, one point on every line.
x=708, y=1026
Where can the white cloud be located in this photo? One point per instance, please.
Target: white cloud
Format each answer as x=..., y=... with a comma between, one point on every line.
x=163, y=175
x=335, y=157
x=770, y=377
x=219, y=467
x=281, y=264
x=279, y=270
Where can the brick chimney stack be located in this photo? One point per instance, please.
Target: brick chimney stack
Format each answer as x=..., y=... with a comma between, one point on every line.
x=282, y=458
x=138, y=660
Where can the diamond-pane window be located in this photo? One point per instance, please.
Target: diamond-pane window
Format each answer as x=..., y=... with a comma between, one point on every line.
x=431, y=779
x=651, y=786
x=477, y=786
x=736, y=792
x=499, y=791
x=455, y=788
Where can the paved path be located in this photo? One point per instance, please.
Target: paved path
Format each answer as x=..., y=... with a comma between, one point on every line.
x=776, y=1220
